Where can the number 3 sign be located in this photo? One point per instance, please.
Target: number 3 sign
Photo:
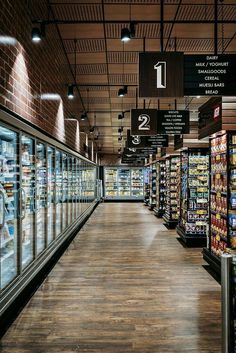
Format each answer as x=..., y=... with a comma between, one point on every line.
x=143, y=122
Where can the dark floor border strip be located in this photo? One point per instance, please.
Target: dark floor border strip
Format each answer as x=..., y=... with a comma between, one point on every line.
x=15, y=308
x=123, y=200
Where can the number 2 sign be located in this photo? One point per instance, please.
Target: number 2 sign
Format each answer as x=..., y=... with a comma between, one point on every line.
x=143, y=122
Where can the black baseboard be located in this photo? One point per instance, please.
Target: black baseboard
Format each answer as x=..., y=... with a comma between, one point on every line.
x=193, y=241
x=214, y=263
x=125, y=200
x=14, y=309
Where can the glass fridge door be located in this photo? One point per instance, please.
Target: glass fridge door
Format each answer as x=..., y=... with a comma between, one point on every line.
x=65, y=191
x=74, y=189
x=78, y=186
x=9, y=186
x=58, y=193
x=70, y=191
x=41, y=196
x=51, y=195
x=27, y=199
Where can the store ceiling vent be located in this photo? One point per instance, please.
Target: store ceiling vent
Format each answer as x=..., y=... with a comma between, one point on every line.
x=123, y=79
x=118, y=57
x=77, y=12
x=91, y=69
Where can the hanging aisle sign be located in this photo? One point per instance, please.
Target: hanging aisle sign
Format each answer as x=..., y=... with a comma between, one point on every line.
x=143, y=122
x=161, y=74
x=147, y=141
x=209, y=75
x=173, y=122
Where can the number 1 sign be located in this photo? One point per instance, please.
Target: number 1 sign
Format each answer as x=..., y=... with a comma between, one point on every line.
x=143, y=122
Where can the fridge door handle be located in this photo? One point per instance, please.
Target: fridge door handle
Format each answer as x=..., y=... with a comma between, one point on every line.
x=23, y=193
x=3, y=209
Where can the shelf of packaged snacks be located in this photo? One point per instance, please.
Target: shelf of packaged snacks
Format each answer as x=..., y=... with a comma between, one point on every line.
x=194, y=197
x=223, y=217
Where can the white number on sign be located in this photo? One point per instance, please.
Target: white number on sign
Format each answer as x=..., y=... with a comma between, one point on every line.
x=145, y=120
x=136, y=140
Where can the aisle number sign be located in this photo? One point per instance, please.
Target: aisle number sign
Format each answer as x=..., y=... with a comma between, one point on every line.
x=146, y=141
x=143, y=122
x=161, y=74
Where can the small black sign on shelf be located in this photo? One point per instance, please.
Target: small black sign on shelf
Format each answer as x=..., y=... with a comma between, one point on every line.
x=143, y=122
x=210, y=117
x=160, y=74
x=178, y=142
x=173, y=122
x=209, y=75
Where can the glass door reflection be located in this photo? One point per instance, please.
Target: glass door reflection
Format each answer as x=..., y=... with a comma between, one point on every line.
x=70, y=191
x=9, y=187
x=65, y=191
x=27, y=200
x=58, y=193
x=41, y=196
x=51, y=221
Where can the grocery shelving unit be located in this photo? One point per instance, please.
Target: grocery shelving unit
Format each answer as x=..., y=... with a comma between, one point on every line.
x=153, y=185
x=123, y=183
x=146, y=185
x=159, y=209
x=194, y=196
x=222, y=232
x=172, y=201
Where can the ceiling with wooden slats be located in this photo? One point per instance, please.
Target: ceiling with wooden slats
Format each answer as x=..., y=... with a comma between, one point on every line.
x=90, y=32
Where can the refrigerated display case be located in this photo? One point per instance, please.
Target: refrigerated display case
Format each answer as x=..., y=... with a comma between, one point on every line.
x=137, y=182
x=194, y=196
x=222, y=231
x=159, y=209
x=40, y=196
x=121, y=183
x=171, y=214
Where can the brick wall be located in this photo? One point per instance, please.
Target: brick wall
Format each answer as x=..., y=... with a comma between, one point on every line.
x=28, y=70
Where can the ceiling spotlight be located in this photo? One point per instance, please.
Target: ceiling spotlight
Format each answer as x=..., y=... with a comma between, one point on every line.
x=119, y=150
x=83, y=116
x=123, y=91
x=120, y=129
x=120, y=138
x=121, y=116
x=91, y=130
x=36, y=35
x=70, y=92
x=198, y=97
x=125, y=35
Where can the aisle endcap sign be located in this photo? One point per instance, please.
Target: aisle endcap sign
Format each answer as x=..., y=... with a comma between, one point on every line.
x=173, y=122
x=161, y=74
x=146, y=141
x=178, y=75
x=210, y=75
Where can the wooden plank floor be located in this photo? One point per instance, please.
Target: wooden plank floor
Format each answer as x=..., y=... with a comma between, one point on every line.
x=125, y=285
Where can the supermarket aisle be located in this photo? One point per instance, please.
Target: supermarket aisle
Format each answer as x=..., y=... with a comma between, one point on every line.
x=124, y=285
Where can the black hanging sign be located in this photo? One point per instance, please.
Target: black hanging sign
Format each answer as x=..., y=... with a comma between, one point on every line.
x=178, y=142
x=210, y=117
x=174, y=122
x=147, y=141
x=143, y=122
x=210, y=75
x=161, y=74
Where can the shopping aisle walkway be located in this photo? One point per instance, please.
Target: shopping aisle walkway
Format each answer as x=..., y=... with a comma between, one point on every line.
x=124, y=285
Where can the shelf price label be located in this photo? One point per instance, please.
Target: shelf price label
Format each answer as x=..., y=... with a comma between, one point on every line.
x=218, y=216
x=218, y=194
